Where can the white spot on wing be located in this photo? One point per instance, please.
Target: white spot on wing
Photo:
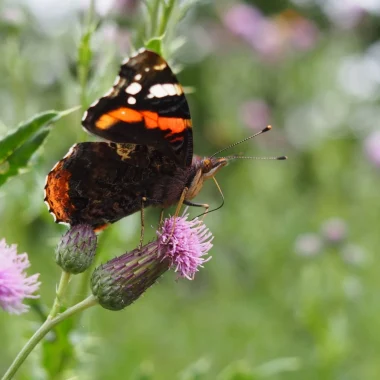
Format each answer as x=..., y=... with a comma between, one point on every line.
x=138, y=76
x=84, y=116
x=158, y=91
x=116, y=81
x=147, y=69
x=160, y=67
x=170, y=89
x=131, y=100
x=133, y=89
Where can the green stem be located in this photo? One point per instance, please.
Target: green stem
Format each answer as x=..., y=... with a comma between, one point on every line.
x=63, y=282
x=166, y=17
x=154, y=17
x=85, y=54
x=43, y=330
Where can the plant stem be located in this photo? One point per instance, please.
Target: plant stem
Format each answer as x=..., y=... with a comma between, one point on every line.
x=85, y=53
x=154, y=17
x=63, y=282
x=43, y=330
x=166, y=17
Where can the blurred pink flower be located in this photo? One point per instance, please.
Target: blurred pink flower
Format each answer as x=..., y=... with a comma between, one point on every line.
x=354, y=255
x=372, y=148
x=345, y=14
x=334, y=230
x=243, y=20
x=255, y=114
x=15, y=286
x=271, y=37
x=125, y=7
x=308, y=245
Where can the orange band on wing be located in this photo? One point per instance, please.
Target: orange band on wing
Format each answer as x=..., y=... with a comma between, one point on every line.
x=174, y=124
x=127, y=115
x=152, y=120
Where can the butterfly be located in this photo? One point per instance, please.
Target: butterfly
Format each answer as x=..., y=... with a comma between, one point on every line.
x=147, y=158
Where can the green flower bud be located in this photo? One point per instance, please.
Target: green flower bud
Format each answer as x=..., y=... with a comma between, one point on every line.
x=76, y=250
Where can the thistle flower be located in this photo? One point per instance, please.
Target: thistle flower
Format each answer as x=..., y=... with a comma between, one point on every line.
x=308, y=245
x=372, y=148
x=14, y=283
x=334, y=230
x=76, y=250
x=180, y=244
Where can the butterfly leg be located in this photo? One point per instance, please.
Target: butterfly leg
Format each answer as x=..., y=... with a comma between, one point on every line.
x=204, y=205
x=178, y=209
x=143, y=200
x=181, y=201
x=161, y=218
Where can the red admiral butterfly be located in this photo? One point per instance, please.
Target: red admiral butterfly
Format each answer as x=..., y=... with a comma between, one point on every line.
x=149, y=159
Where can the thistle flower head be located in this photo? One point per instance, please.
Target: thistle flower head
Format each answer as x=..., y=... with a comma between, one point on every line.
x=76, y=250
x=181, y=244
x=15, y=286
x=184, y=243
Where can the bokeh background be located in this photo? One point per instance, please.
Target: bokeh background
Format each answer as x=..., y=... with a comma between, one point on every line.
x=293, y=288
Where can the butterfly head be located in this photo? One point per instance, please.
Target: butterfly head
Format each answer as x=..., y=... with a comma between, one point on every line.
x=205, y=168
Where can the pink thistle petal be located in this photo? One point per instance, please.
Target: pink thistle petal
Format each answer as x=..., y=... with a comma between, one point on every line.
x=14, y=283
x=184, y=243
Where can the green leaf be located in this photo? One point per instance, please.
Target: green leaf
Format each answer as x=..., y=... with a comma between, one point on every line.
x=19, y=159
x=26, y=130
x=155, y=44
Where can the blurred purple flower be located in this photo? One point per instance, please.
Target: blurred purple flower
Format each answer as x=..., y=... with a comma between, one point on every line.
x=308, y=245
x=271, y=38
x=125, y=7
x=372, y=148
x=15, y=286
x=334, y=230
x=114, y=34
x=303, y=34
x=243, y=20
x=354, y=254
x=345, y=14
x=255, y=114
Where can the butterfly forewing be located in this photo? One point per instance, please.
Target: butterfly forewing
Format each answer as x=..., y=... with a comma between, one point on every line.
x=145, y=106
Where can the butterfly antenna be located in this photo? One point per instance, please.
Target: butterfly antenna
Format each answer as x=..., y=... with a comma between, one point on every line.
x=221, y=193
x=266, y=129
x=257, y=158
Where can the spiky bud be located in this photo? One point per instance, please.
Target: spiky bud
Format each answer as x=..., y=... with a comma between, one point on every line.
x=76, y=250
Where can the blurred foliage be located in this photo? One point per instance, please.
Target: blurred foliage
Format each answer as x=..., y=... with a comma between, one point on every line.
x=281, y=298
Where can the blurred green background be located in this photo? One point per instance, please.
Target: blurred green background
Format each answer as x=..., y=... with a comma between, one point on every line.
x=293, y=289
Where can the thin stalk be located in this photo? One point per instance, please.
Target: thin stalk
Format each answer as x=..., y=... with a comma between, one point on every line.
x=63, y=282
x=48, y=325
